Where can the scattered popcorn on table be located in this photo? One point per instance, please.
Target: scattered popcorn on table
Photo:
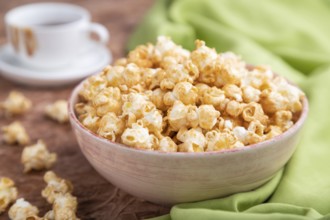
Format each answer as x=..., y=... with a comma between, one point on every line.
x=165, y=98
x=23, y=210
x=55, y=185
x=8, y=193
x=65, y=207
x=37, y=157
x=15, y=104
x=58, y=193
x=15, y=133
x=58, y=111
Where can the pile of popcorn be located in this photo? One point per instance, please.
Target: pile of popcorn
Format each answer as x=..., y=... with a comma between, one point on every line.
x=35, y=157
x=57, y=192
x=165, y=98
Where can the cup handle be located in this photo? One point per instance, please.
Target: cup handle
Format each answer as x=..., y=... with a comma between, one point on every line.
x=101, y=31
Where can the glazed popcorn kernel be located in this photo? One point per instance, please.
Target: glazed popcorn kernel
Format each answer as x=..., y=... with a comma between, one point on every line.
x=166, y=144
x=15, y=104
x=165, y=98
x=15, y=133
x=213, y=96
x=37, y=157
x=207, y=116
x=55, y=186
x=8, y=193
x=253, y=111
x=184, y=92
x=193, y=140
x=58, y=111
x=65, y=207
x=221, y=140
x=139, y=137
x=23, y=210
x=111, y=126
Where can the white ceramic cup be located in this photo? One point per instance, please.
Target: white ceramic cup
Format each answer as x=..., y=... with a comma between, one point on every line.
x=50, y=35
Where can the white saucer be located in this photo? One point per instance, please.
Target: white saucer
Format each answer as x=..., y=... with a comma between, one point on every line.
x=85, y=64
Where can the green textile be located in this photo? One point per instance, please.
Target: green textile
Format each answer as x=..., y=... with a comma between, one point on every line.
x=291, y=36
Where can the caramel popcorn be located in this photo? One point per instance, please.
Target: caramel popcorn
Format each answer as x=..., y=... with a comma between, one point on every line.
x=23, y=210
x=8, y=193
x=163, y=97
x=193, y=140
x=65, y=207
x=139, y=137
x=58, y=111
x=15, y=104
x=15, y=133
x=220, y=140
x=58, y=193
x=55, y=185
x=37, y=157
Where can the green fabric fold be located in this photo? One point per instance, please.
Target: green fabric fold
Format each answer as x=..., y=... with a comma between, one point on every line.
x=293, y=38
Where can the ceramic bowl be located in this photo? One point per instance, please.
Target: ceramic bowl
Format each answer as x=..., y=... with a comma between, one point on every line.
x=170, y=178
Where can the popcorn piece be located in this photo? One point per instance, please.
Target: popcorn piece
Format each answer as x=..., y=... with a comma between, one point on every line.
x=272, y=131
x=256, y=127
x=259, y=78
x=174, y=75
x=193, y=140
x=90, y=120
x=166, y=144
x=253, y=111
x=166, y=50
x=156, y=97
x=233, y=92
x=139, y=137
x=48, y=216
x=204, y=58
x=8, y=193
x=193, y=118
x=55, y=186
x=152, y=118
x=229, y=69
x=58, y=111
x=220, y=140
x=291, y=93
x=184, y=92
x=108, y=100
x=15, y=133
x=131, y=75
x=94, y=85
x=250, y=94
x=156, y=76
x=110, y=126
x=207, y=116
x=135, y=103
x=37, y=157
x=23, y=210
x=272, y=101
x=113, y=75
x=65, y=207
x=226, y=124
x=241, y=134
x=234, y=108
x=213, y=96
x=283, y=119
x=15, y=104
x=177, y=116
x=141, y=56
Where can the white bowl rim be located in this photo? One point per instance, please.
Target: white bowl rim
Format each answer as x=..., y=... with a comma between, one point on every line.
x=297, y=125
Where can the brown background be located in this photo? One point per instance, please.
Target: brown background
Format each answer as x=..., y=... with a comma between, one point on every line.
x=97, y=198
